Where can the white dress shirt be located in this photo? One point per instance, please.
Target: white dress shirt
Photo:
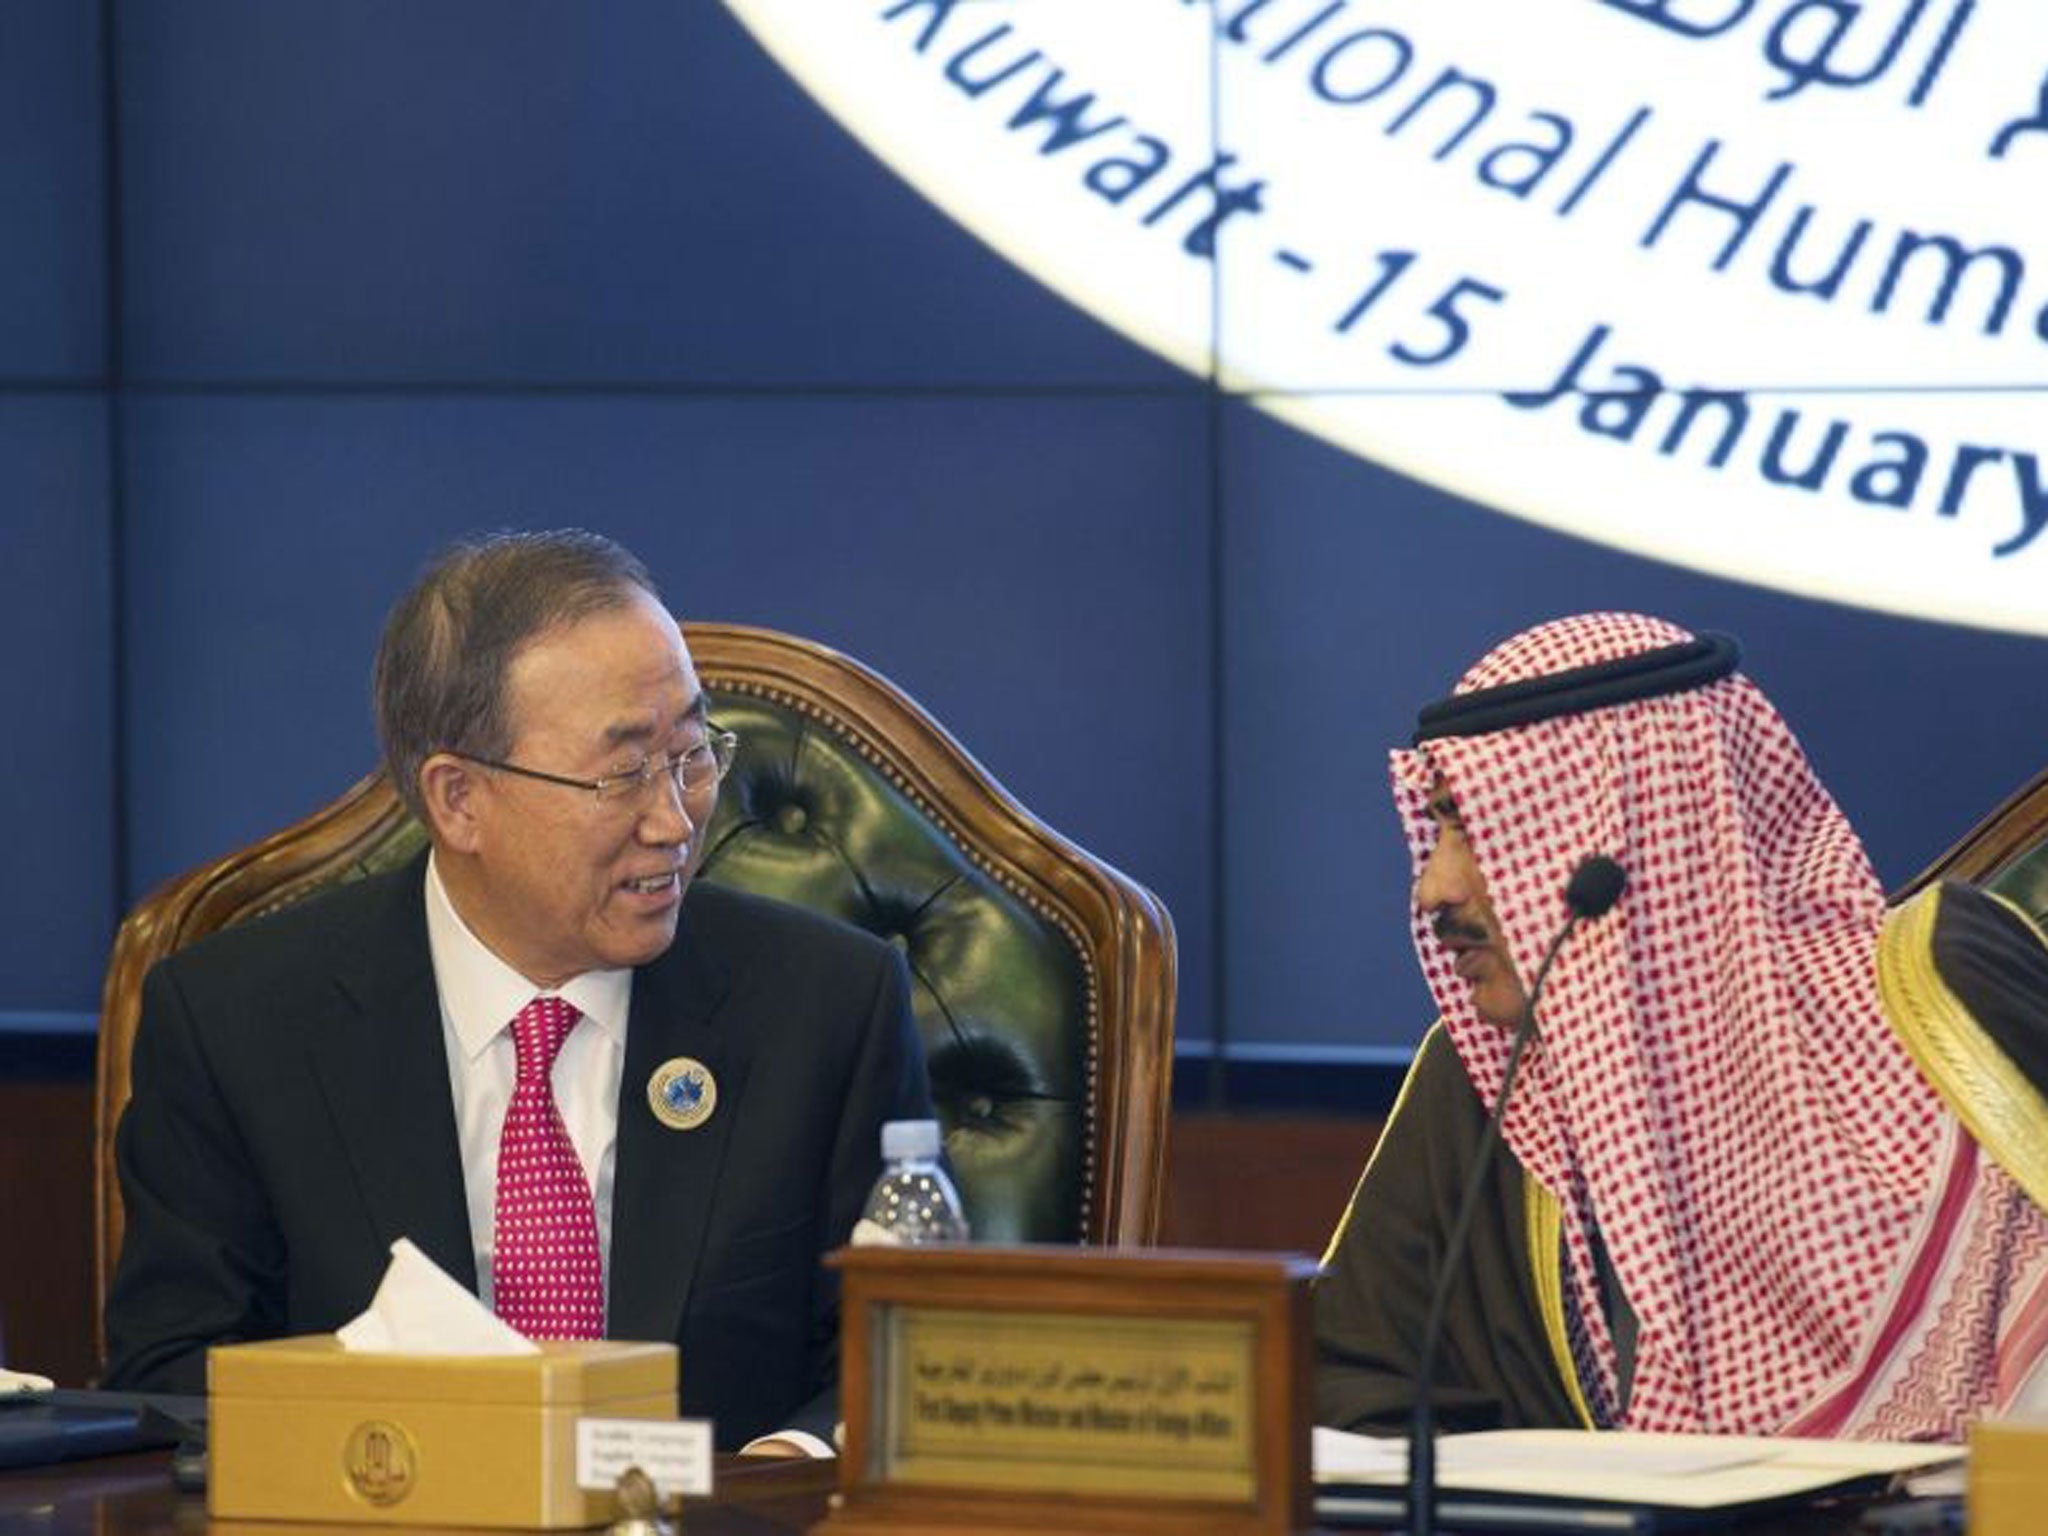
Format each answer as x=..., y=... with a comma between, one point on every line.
x=480, y=997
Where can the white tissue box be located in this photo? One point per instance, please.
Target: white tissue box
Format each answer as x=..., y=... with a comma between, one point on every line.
x=301, y=1429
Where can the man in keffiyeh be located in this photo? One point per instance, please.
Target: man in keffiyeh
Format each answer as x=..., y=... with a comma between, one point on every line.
x=1777, y=1159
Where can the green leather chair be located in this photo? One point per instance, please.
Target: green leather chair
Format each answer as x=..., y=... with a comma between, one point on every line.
x=1043, y=979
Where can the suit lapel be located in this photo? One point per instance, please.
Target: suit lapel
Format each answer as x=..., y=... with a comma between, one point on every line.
x=384, y=1069
x=666, y=1179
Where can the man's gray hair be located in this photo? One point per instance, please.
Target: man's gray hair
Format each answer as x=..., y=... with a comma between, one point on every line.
x=439, y=681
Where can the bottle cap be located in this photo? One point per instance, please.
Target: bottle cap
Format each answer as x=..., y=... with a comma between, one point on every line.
x=909, y=1139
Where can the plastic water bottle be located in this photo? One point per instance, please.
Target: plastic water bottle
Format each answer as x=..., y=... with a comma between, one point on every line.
x=913, y=1201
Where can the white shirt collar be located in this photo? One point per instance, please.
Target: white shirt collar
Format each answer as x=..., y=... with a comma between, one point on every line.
x=481, y=994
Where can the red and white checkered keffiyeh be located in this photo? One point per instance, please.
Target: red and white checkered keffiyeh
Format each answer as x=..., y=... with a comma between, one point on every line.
x=1714, y=1076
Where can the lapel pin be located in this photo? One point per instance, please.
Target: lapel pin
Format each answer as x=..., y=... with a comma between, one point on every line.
x=682, y=1093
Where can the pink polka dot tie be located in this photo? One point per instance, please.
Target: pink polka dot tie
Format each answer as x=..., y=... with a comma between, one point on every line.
x=547, y=1276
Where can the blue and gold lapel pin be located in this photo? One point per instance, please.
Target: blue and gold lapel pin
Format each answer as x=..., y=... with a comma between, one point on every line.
x=682, y=1093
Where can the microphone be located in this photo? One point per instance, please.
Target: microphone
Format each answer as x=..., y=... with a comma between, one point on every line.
x=1595, y=885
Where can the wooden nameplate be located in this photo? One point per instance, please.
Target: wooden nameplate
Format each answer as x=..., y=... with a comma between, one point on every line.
x=1006, y=1390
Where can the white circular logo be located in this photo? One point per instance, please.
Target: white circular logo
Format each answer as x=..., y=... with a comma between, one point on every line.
x=1756, y=286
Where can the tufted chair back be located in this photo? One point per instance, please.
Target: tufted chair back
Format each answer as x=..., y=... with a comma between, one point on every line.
x=1043, y=979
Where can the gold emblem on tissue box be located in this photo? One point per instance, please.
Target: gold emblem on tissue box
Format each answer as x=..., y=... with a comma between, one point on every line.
x=380, y=1461
x=302, y=1429
x=997, y=1391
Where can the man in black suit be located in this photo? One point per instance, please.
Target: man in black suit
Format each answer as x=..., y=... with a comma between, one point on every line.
x=311, y=1087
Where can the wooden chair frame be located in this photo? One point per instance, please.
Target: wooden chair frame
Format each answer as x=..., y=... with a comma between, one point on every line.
x=2017, y=826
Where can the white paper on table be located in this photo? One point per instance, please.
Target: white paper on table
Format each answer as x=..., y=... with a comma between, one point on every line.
x=1627, y=1467
x=1341, y=1457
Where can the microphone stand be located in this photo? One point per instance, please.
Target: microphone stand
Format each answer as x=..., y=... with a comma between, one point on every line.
x=1595, y=886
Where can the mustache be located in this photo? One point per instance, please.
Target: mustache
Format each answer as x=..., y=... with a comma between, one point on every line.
x=1448, y=926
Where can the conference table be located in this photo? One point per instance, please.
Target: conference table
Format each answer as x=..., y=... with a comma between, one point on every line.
x=133, y=1496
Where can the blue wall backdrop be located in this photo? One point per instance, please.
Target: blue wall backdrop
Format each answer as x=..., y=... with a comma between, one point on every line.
x=295, y=290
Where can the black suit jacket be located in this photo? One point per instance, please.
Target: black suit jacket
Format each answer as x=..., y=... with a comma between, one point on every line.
x=291, y=1118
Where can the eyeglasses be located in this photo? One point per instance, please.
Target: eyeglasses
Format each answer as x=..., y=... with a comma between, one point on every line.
x=693, y=769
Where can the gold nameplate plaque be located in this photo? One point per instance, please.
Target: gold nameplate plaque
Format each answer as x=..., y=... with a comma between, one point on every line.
x=2008, y=1483
x=1000, y=1390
